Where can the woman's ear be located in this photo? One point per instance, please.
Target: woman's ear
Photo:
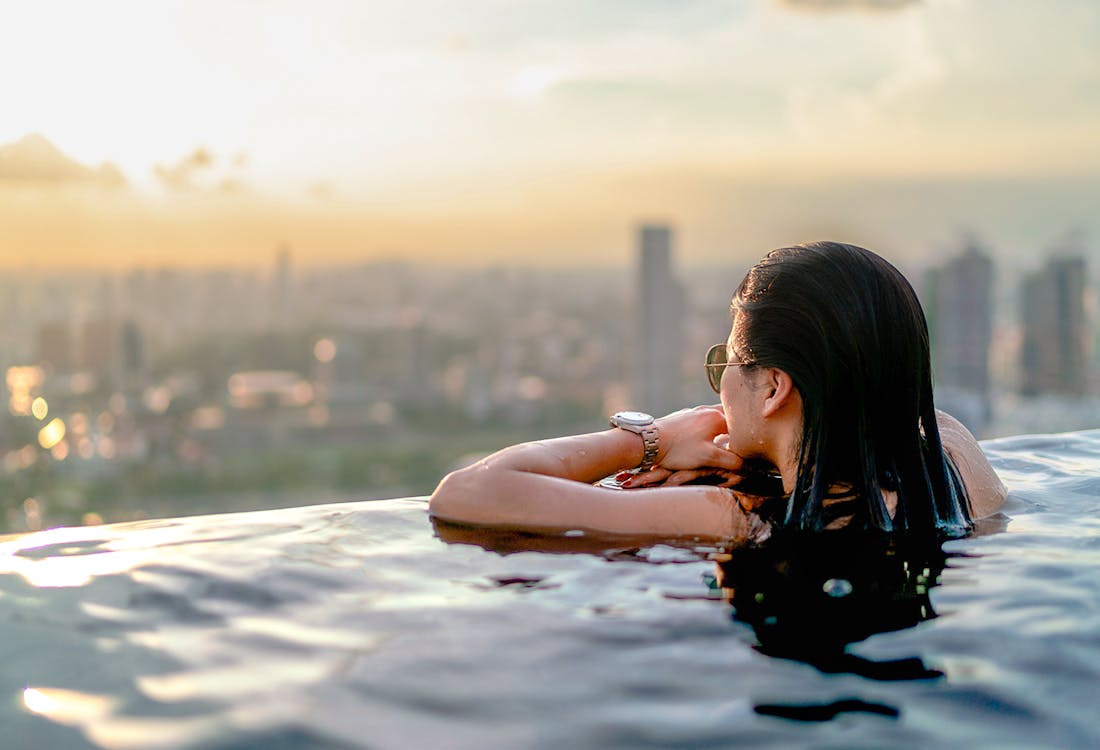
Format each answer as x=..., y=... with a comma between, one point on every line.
x=780, y=392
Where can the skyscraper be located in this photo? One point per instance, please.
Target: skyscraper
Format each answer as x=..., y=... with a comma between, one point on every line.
x=55, y=345
x=659, y=324
x=281, y=289
x=1052, y=357
x=960, y=322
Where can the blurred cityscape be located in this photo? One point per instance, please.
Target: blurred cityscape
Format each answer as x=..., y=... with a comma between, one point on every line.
x=161, y=392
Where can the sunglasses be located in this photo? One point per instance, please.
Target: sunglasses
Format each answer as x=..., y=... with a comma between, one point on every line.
x=716, y=364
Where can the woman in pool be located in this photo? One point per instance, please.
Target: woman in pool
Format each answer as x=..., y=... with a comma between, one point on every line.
x=825, y=383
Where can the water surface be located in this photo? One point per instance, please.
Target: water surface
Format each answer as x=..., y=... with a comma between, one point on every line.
x=362, y=625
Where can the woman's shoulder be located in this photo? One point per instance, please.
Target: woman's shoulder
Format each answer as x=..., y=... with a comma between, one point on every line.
x=986, y=490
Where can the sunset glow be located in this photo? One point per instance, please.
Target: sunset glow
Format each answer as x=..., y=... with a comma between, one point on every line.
x=187, y=133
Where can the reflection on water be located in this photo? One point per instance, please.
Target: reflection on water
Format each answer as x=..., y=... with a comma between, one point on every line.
x=808, y=598
x=363, y=625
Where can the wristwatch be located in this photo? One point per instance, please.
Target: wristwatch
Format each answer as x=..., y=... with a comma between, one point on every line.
x=641, y=424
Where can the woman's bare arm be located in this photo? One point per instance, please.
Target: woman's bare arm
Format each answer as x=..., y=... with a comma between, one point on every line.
x=548, y=484
x=986, y=490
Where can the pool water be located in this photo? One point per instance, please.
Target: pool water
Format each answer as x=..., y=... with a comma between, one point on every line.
x=363, y=625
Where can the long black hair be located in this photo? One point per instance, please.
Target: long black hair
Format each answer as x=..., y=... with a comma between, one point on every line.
x=848, y=329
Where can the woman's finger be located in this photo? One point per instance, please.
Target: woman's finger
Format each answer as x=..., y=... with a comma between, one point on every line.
x=656, y=475
x=730, y=479
x=684, y=476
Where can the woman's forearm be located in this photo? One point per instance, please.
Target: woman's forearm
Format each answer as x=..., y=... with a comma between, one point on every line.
x=582, y=458
x=550, y=481
x=507, y=486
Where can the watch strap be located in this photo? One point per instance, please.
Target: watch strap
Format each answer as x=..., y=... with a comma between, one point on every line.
x=647, y=431
x=649, y=443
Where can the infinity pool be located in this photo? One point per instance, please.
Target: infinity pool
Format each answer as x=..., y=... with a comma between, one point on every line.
x=363, y=625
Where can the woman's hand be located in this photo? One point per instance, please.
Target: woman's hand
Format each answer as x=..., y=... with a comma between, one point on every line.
x=692, y=445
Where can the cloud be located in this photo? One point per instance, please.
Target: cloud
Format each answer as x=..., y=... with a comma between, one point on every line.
x=854, y=5
x=201, y=172
x=35, y=160
x=181, y=175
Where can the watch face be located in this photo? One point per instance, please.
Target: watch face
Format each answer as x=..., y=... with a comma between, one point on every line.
x=634, y=417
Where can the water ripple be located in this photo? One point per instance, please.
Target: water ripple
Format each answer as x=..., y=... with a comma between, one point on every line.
x=364, y=626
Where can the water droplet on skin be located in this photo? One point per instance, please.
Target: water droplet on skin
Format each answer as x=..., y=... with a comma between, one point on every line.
x=837, y=587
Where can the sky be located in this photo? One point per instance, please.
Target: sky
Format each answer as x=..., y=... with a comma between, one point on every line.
x=180, y=133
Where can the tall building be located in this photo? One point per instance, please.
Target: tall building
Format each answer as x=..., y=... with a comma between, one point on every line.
x=54, y=345
x=959, y=303
x=659, y=321
x=281, y=289
x=132, y=346
x=1052, y=357
x=99, y=345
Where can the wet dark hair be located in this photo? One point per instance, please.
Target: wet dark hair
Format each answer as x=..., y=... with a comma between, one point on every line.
x=849, y=330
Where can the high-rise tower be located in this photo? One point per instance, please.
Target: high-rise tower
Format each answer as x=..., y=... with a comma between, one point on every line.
x=659, y=321
x=281, y=289
x=1052, y=358
x=960, y=321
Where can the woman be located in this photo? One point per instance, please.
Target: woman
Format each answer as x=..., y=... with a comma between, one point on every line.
x=824, y=382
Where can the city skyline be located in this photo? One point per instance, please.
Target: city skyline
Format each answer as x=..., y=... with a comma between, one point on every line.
x=192, y=389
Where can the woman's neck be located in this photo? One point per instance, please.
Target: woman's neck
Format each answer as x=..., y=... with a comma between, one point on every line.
x=786, y=462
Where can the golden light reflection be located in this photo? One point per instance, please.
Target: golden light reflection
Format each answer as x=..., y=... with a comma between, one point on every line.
x=39, y=408
x=157, y=398
x=24, y=378
x=85, y=448
x=60, y=451
x=32, y=514
x=63, y=571
x=324, y=350
x=22, y=382
x=66, y=706
x=20, y=404
x=235, y=681
x=255, y=388
x=52, y=434
x=78, y=423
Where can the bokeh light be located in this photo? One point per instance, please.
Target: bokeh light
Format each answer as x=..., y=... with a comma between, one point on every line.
x=52, y=434
x=39, y=408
